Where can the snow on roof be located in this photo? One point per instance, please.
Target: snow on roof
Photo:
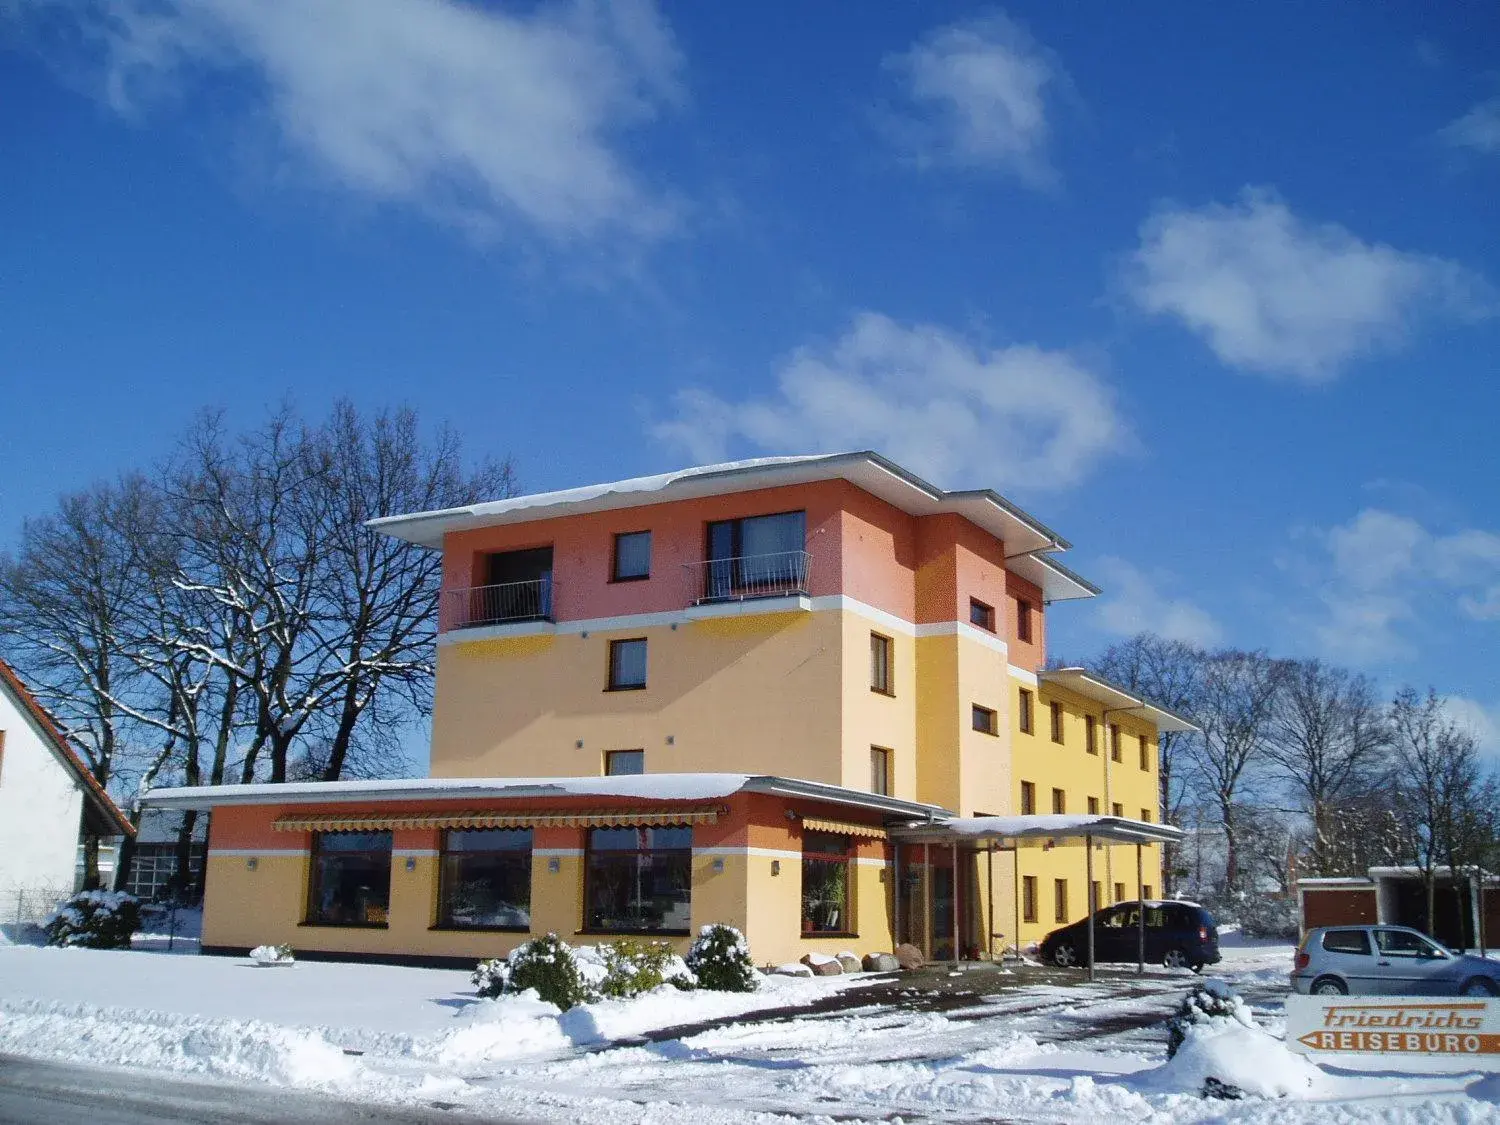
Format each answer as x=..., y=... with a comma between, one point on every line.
x=1048, y=826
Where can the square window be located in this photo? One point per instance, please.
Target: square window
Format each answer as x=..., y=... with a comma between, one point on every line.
x=1028, y=798
x=1146, y=891
x=350, y=881
x=1146, y=815
x=1060, y=900
x=632, y=556
x=1093, y=806
x=1091, y=734
x=638, y=880
x=484, y=880
x=1057, y=721
x=985, y=721
x=981, y=615
x=627, y=664
x=1119, y=809
x=1028, y=898
x=880, y=770
x=1025, y=711
x=880, y=664
x=1119, y=892
x=620, y=763
x=1059, y=801
x=1023, y=620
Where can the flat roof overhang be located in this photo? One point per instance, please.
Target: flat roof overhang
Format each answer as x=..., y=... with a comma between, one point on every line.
x=1038, y=831
x=1114, y=697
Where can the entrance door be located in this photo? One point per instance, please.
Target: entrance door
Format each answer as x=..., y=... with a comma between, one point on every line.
x=927, y=911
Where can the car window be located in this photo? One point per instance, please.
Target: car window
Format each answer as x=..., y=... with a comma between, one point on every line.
x=1400, y=943
x=1113, y=919
x=1346, y=941
x=1156, y=917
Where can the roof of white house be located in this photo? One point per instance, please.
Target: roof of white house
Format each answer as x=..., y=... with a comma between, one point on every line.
x=1028, y=542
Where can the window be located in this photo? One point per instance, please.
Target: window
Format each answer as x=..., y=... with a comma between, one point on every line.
x=1114, y=742
x=517, y=586
x=1145, y=753
x=618, y=763
x=1093, y=806
x=1090, y=734
x=1400, y=943
x=1146, y=815
x=1059, y=801
x=826, y=867
x=485, y=879
x=1028, y=898
x=1060, y=900
x=1028, y=798
x=1119, y=809
x=760, y=556
x=1347, y=941
x=1023, y=620
x=627, y=665
x=632, y=556
x=1025, y=712
x=880, y=770
x=1057, y=721
x=981, y=615
x=638, y=880
x=1119, y=892
x=1096, y=892
x=880, y=664
x=350, y=883
x=985, y=721
x=1146, y=891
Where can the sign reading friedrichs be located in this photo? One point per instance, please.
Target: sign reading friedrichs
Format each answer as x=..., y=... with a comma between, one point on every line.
x=1437, y=1034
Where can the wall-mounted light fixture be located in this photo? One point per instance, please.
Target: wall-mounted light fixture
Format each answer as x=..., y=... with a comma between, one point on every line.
x=776, y=867
x=578, y=745
x=411, y=863
x=250, y=863
x=554, y=865
x=671, y=740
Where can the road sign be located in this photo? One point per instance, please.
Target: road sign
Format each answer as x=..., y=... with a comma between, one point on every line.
x=1416, y=1032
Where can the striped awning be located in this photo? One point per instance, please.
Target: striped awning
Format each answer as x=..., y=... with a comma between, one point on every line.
x=617, y=819
x=844, y=828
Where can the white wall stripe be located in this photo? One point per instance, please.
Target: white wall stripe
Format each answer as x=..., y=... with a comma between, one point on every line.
x=405, y=853
x=233, y=853
x=556, y=851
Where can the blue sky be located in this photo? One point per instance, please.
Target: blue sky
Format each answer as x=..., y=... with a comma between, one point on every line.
x=1213, y=289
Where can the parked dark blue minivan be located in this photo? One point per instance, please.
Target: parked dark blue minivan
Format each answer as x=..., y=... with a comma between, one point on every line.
x=1178, y=935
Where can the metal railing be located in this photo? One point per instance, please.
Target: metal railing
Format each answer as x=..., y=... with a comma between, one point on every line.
x=496, y=605
x=748, y=576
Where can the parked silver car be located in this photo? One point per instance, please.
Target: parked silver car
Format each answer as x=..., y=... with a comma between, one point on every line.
x=1387, y=961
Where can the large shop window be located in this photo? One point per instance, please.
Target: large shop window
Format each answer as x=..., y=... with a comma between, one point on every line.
x=486, y=879
x=638, y=880
x=827, y=867
x=351, y=879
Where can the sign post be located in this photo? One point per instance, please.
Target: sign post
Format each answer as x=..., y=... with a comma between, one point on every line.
x=1425, y=1034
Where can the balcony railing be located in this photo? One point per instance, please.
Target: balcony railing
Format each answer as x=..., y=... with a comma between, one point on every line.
x=748, y=576
x=504, y=604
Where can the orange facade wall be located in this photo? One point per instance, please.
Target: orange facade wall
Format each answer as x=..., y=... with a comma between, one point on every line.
x=1031, y=655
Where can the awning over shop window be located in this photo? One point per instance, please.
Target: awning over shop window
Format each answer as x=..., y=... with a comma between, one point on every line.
x=619, y=819
x=843, y=827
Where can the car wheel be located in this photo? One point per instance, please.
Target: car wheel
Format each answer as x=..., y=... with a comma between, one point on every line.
x=1065, y=956
x=1480, y=986
x=1174, y=959
x=1329, y=986
x=1196, y=966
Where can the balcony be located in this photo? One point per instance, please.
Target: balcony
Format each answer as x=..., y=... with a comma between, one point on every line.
x=507, y=603
x=717, y=581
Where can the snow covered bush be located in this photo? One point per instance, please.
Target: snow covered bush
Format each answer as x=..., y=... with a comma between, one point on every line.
x=273, y=955
x=95, y=920
x=1210, y=1004
x=547, y=964
x=720, y=959
x=632, y=967
x=490, y=977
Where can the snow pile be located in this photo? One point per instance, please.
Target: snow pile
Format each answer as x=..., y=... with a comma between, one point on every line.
x=1245, y=1058
x=1485, y=1090
x=273, y=955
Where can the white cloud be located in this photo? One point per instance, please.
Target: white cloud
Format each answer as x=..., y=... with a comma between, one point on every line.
x=945, y=407
x=1381, y=571
x=484, y=119
x=1134, y=603
x=980, y=93
x=1477, y=719
x=1479, y=129
x=1273, y=293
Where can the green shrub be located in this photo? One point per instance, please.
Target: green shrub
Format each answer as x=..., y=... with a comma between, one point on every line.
x=632, y=966
x=547, y=964
x=720, y=959
x=1210, y=1003
x=95, y=920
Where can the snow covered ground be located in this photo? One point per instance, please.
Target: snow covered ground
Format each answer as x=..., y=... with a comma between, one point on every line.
x=989, y=1044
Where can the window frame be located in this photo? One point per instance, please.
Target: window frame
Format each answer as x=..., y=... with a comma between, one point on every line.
x=1059, y=801
x=614, y=566
x=1025, y=711
x=844, y=859
x=445, y=876
x=1119, y=892
x=1119, y=809
x=882, y=679
x=312, y=915
x=1146, y=816
x=1091, y=735
x=1145, y=754
x=1028, y=898
x=981, y=615
x=1024, y=632
x=614, y=755
x=1060, y=901
x=1116, y=754
x=614, y=647
x=881, y=754
x=1364, y=936
x=682, y=855
x=1093, y=806
x=1056, y=709
x=991, y=719
x=1028, y=798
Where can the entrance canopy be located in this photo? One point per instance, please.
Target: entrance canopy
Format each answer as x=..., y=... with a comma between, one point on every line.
x=1038, y=831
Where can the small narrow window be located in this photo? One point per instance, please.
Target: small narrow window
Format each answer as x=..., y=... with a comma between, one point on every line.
x=880, y=770
x=632, y=556
x=1057, y=721
x=1145, y=753
x=1093, y=806
x=1060, y=899
x=1028, y=898
x=1025, y=711
x=619, y=763
x=1146, y=815
x=1119, y=892
x=880, y=664
x=627, y=664
x=1114, y=742
x=985, y=721
x=1090, y=734
x=1146, y=891
x=1119, y=809
x=1023, y=620
x=1095, y=890
x=1059, y=801
x=981, y=615
x=1028, y=798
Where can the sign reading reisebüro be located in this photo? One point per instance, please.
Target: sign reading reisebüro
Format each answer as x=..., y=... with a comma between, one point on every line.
x=1431, y=1032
